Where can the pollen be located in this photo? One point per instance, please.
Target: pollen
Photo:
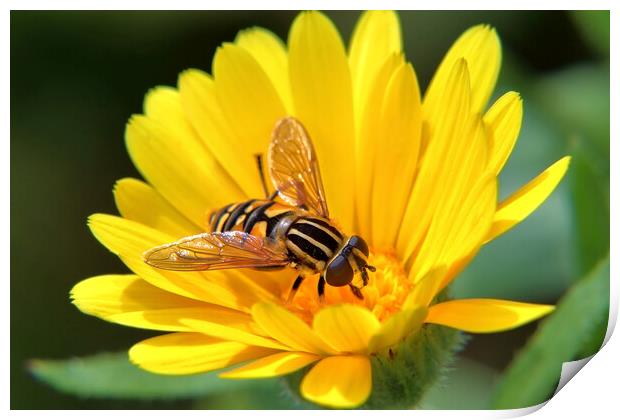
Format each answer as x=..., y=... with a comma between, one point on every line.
x=384, y=294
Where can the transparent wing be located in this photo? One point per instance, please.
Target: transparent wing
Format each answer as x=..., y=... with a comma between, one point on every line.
x=215, y=251
x=294, y=168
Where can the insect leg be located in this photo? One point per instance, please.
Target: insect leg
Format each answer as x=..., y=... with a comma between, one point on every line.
x=356, y=291
x=321, y=288
x=293, y=291
x=261, y=173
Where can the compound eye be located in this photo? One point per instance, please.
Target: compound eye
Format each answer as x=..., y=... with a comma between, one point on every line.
x=359, y=243
x=339, y=272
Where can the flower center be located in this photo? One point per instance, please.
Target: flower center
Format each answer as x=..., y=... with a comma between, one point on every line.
x=384, y=294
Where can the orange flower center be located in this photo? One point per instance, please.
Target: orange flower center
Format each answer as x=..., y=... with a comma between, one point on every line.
x=384, y=295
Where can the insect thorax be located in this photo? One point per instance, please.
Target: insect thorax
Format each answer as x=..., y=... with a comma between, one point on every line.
x=313, y=241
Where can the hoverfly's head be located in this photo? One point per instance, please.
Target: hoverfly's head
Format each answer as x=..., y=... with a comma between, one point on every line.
x=351, y=259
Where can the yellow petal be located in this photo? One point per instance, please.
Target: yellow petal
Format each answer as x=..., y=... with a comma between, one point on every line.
x=346, y=327
x=240, y=333
x=288, y=329
x=504, y=121
x=129, y=240
x=107, y=295
x=397, y=157
x=481, y=48
x=527, y=199
x=201, y=106
x=249, y=103
x=467, y=242
x=181, y=169
x=175, y=319
x=485, y=315
x=369, y=142
x=131, y=301
x=270, y=52
x=471, y=221
x=339, y=382
x=375, y=38
x=275, y=365
x=425, y=290
x=185, y=353
x=164, y=106
x=397, y=327
x=442, y=169
x=140, y=202
x=321, y=86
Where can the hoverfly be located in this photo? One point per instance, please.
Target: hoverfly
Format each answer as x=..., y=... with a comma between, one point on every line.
x=265, y=234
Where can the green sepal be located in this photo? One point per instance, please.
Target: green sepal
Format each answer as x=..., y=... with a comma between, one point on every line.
x=401, y=378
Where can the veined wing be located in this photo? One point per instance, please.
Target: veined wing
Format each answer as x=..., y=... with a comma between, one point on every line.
x=294, y=168
x=217, y=250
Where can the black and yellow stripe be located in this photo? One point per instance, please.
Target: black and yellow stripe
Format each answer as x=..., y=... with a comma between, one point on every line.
x=220, y=217
x=313, y=239
x=238, y=215
x=258, y=217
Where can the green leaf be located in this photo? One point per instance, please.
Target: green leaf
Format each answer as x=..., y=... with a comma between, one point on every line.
x=595, y=341
x=534, y=374
x=590, y=190
x=111, y=375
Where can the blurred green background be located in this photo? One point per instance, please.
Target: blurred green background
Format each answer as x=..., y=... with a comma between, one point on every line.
x=76, y=77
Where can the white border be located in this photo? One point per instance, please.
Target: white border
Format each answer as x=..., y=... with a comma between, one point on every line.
x=595, y=390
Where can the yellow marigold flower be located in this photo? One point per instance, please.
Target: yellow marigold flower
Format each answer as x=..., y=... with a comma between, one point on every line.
x=416, y=177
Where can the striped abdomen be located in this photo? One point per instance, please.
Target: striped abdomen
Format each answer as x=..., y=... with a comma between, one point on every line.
x=257, y=217
x=313, y=241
